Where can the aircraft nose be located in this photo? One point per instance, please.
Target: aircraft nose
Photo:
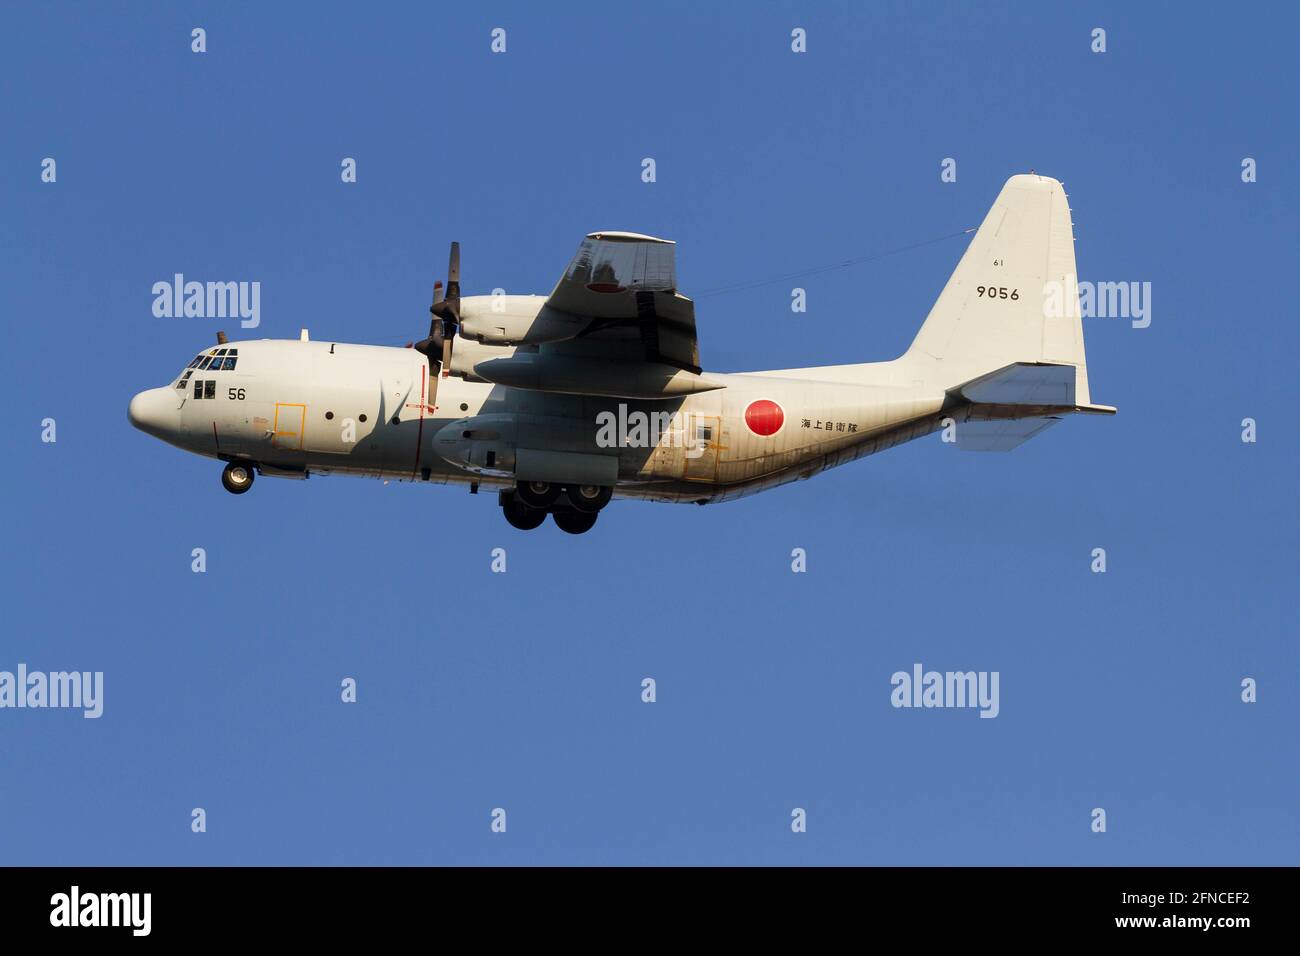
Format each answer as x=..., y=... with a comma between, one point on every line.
x=154, y=411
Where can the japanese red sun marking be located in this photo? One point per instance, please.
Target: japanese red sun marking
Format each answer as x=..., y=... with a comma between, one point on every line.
x=764, y=417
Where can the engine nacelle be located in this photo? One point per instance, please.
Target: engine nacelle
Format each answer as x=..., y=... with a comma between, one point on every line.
x=515, y=320
x=466, y=353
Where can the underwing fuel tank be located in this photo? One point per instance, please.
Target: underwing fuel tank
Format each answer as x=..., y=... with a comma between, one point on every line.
x=528, y=447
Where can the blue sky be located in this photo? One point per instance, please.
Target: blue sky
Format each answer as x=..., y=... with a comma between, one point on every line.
x=522, y=690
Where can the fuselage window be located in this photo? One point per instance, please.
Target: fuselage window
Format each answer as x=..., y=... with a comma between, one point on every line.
x=228, y=364
x=198, y=389
x=210, y=388
x=204, y=363
x=197, y=360
x=221, y=352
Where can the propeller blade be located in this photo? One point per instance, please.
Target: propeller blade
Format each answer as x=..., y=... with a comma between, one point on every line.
x=453, y=270
x=432, y=400
x=446, y=306
x=446, y=356
x=443, y=326
x=452, y=302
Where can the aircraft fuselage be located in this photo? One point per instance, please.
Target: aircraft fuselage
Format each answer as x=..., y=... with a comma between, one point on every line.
x=297, y=408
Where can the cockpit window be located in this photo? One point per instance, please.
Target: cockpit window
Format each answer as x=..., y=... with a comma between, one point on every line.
x=214, y=360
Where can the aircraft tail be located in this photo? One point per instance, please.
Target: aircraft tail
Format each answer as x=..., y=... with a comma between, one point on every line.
x=1013, y=298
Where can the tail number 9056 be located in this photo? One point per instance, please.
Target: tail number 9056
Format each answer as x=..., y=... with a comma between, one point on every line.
x=997, y=292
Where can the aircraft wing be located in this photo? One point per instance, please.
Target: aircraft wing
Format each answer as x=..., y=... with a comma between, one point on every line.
x=625, y=285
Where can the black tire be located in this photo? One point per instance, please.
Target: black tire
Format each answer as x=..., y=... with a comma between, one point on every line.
x=538, y=494
x=574, y=522
x=589, y=498
x=237, y=477
x=520, y=515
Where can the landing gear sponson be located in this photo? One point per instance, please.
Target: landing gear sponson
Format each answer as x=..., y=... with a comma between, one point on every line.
x=574, y=508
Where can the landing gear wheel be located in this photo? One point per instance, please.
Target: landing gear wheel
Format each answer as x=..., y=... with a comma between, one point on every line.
x=520, y=515
x=237, y=477
x=589, y=498
x=574, y=522
x=537, y=494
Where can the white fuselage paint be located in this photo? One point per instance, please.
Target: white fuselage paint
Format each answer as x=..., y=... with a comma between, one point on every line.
x=300, y=397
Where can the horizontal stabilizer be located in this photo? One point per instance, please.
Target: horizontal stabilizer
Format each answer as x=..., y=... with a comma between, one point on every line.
x=1023, y=384
x=1000, y=435
x=1010, y=406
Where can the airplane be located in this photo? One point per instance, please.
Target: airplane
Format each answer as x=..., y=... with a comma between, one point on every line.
x=561, y=403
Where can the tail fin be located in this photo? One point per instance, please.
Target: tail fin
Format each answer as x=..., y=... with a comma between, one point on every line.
x=1014, y=297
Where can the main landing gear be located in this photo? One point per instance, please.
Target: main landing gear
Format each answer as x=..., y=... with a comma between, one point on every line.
x=237, y=477
x=574, y=508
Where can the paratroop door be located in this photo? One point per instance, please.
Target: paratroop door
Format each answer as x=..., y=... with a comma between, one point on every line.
x=288, y=425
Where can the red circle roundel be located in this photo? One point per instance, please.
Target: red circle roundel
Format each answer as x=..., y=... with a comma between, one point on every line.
x=764, y=417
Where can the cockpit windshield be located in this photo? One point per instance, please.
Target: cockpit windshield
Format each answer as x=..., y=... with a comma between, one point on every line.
x=214, y=360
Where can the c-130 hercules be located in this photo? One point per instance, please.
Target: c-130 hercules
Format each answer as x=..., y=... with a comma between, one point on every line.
x=563, y=402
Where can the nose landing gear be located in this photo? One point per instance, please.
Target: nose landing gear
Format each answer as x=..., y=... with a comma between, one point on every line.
x=237, y=477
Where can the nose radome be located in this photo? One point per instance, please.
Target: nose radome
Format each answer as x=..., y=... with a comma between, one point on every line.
x=153, y=411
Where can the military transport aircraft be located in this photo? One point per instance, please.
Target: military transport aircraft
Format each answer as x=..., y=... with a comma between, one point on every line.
x=565, y=401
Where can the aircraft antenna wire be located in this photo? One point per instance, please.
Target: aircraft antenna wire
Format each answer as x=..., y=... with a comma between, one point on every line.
x=843, y=264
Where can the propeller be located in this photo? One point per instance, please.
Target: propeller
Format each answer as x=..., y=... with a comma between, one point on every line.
x=444, y=324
